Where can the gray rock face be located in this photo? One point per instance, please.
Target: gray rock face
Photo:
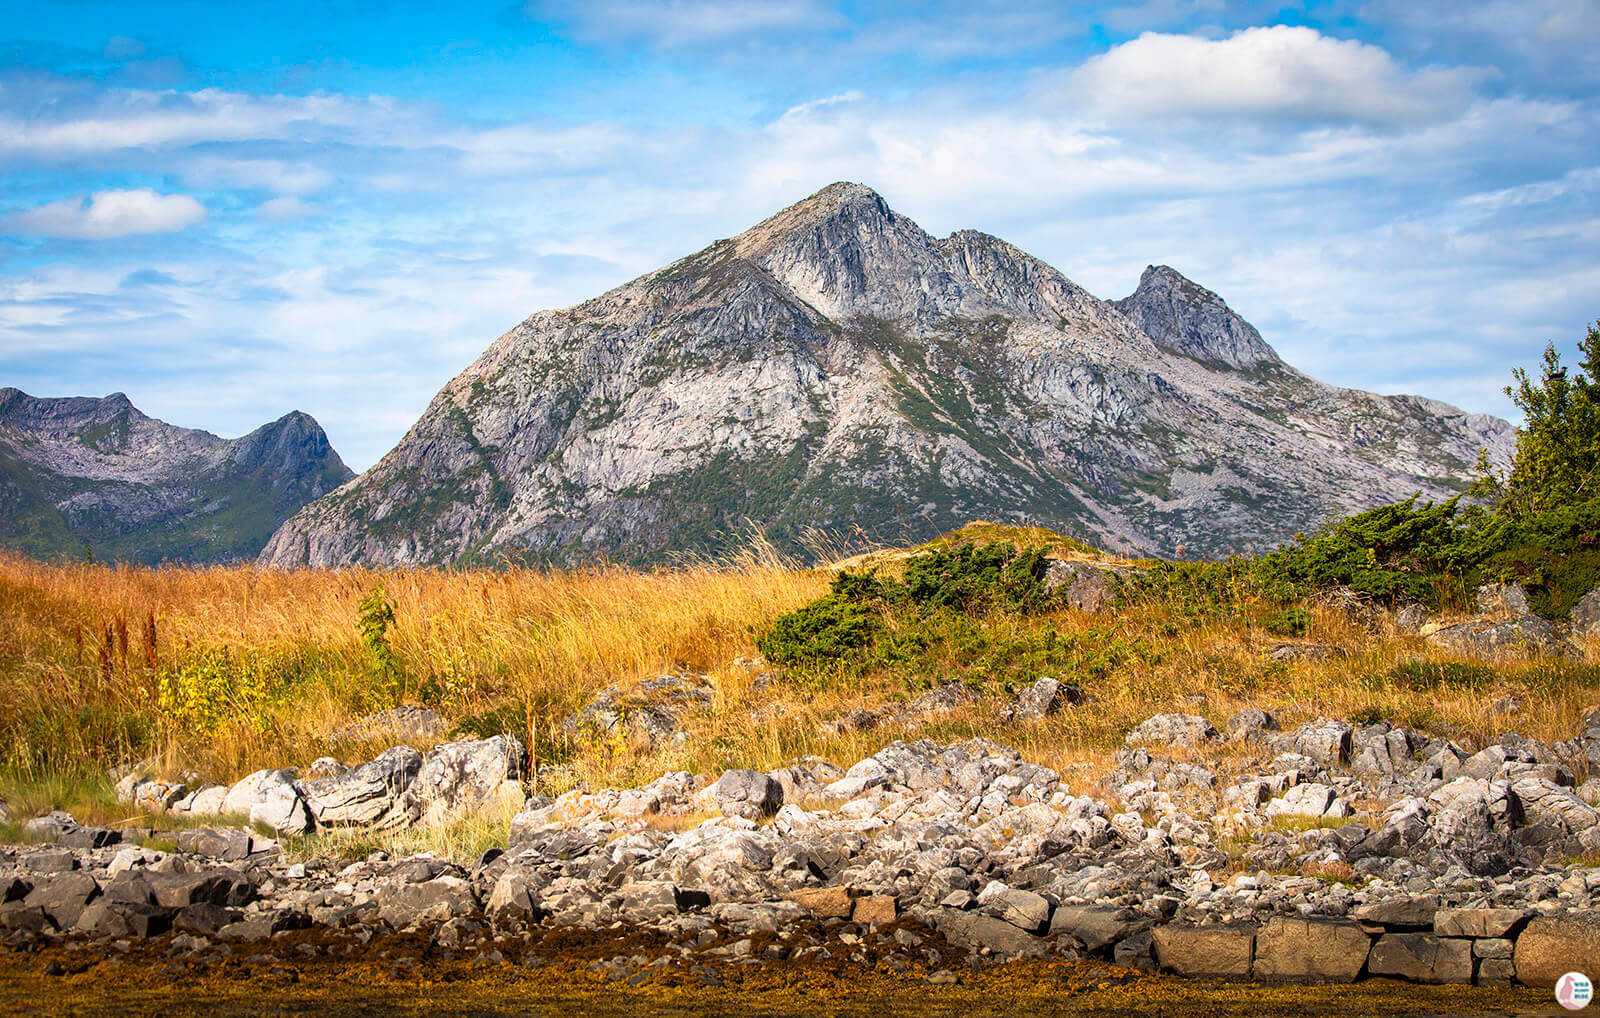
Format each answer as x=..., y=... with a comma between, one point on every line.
x=749, y=794
x=1085, y=586
x=458, y=778
x=1586, y=615
x=1172, y=730
x=82, y=471
x=363, y=794
x=1518, y=636
x=270, y=797
x=1190, y=320
x=834, y=361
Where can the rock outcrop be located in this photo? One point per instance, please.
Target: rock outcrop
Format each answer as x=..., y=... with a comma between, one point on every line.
x=835, y=367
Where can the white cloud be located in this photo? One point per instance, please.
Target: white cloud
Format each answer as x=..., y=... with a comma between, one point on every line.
x=108, y=214
x=1281, y=72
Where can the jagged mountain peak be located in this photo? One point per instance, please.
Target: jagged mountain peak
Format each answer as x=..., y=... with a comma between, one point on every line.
x=835, y=367
x=1183, y=317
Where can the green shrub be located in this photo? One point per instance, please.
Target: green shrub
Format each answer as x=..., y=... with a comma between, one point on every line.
x=827, y=630
x=1289, y=622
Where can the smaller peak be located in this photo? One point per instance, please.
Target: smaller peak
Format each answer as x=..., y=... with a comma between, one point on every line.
x=1185, y=318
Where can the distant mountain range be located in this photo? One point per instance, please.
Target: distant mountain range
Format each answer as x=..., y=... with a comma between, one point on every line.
x=836, y=368
x=81, y=476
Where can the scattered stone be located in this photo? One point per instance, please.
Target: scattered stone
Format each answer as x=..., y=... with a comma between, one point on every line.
x=1502, y=599
x=1045, y=697
x=362, y=795
x=407, y=723
x=1086, y=587
x=1586, y=615
x=459, y=778
x=1520, y=636
x=1251, y=724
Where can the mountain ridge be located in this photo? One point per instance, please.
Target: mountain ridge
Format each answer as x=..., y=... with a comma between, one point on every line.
x=836, y=367
x=81, y=472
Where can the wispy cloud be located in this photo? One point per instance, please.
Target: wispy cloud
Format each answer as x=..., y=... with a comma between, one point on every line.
x=675, y=23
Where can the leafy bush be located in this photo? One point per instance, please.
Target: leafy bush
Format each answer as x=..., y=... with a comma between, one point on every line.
x=374, y=617
x=977, y=576
x=215, y=688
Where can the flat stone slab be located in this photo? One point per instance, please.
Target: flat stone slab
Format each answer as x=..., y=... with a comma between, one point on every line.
x=1215, y=951
x=1421, y=958
x=1478, y=922
x=1552, y=946
x=1311, y=950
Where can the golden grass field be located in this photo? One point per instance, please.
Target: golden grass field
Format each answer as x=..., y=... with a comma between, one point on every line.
x=216, y=672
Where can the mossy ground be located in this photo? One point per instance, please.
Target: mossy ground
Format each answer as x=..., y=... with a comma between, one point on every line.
x=401, y=975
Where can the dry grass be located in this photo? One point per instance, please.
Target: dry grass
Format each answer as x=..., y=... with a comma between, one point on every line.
x=523, y=648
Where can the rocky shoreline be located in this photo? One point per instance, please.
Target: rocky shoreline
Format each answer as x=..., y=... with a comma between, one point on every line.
x=1328, y=853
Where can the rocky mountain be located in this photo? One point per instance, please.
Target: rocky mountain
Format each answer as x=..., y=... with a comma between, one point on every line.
x=837, y=368
x=96, y=474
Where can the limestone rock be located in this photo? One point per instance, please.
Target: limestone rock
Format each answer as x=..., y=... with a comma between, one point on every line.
x=1085, y=586
x=746, y=793
x=1586, y=615
x=458, y=778
x=1520, y=636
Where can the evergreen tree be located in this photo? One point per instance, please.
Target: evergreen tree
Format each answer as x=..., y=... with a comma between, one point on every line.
x=1558, y=448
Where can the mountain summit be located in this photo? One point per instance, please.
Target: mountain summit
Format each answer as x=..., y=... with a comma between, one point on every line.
x=836, y=368
x=79, y=472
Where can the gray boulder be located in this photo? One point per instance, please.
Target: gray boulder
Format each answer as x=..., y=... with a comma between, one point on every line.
x=1586, y=615
x=1519, y=636
x=459, y=778
x=270, y=797
x=1045, y=697
x=1250, y=724
x=1087, y=587
x=749, y=794
x=1421, y=958
x=1502, y=598
x=364, y=794
x=1172, y=730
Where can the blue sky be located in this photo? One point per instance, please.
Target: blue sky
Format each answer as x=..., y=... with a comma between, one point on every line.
x=232, y=211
